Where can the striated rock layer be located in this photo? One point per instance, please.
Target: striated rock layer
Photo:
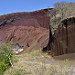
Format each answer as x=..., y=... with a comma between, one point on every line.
x=25, y=28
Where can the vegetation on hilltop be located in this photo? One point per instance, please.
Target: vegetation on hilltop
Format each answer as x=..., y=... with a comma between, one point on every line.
x=61, y=11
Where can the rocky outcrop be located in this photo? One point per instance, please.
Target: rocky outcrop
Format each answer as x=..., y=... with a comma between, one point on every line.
x=63, y=39
x=31, y=30
x=25, y=28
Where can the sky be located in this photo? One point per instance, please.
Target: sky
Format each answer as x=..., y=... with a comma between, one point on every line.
x=13, y=6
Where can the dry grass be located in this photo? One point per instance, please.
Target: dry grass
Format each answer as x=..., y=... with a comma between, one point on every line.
x=38, y=63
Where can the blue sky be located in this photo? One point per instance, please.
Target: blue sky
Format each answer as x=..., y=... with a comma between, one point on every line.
x=12, y=6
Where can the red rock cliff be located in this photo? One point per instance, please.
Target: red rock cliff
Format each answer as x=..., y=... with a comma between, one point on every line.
x=25, y=28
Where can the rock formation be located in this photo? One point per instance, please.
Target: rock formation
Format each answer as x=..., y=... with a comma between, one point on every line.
x=25, y=28
x=32, y=30
x=63, y=39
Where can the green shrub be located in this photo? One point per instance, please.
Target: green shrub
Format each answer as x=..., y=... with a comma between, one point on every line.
x=5, y=57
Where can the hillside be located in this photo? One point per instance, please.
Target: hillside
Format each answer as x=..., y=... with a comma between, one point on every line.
x=24, y=29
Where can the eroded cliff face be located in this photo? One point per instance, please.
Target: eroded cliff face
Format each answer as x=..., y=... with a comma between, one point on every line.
x=63, y=39
x=25, y=28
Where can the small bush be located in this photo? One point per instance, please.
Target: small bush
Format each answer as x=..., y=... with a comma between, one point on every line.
x=5, y=57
